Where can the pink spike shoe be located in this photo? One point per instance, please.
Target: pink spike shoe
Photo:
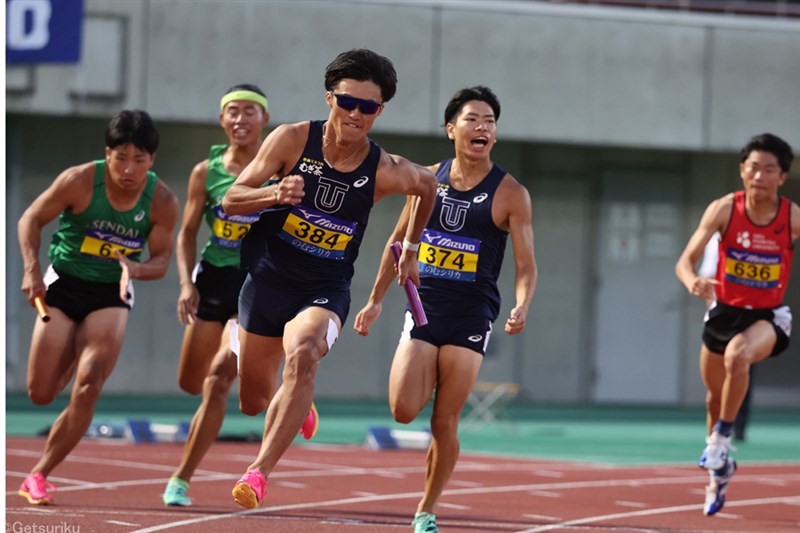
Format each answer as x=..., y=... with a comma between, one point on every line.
x=250, y=490
x=311, y=423
x=34, y=489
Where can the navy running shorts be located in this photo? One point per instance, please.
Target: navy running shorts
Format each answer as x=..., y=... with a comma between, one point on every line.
x=724, y=322
x=471, y=332
x=265, y=307
x=219, y=291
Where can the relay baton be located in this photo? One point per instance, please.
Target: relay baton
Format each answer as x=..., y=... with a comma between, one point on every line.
x=41, y=308
x=411, y=291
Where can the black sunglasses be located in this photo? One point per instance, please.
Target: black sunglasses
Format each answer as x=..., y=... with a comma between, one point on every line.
x=347, y=102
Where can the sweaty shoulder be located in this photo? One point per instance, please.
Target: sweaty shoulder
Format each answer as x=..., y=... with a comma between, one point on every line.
x=164, y=203
x=719, y=212
x=511, y=197
x=285, y=144
x=75, y=185
x=291, y=133
x=393, y=174
x=512, y=191
x=201, y=168
x=78, y=175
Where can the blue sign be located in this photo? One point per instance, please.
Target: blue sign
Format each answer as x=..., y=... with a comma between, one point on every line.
x=43, y=31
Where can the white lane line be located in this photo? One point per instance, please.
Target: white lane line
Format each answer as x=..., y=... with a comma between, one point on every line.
x=291, y=484
x=482, y=490
x=545, y=494
x=650, y=512
x=623, y=503
x=454, y=506
x=542, y=517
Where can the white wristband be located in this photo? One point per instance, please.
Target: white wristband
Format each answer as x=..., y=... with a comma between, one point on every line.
x=410, y=246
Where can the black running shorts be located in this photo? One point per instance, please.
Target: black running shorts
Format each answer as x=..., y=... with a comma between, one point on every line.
x=265, y=307
x=471, y=332
x=78, y=297
x=219, y=291
x=724, y=322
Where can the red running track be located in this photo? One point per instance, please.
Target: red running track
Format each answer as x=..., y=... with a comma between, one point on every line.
x=116, y=487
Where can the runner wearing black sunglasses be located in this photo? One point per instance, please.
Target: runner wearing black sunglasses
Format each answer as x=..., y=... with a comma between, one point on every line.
x=300, y=254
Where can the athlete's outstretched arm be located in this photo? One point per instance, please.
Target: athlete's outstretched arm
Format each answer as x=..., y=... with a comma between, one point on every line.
x=386, y=273
x=397, y=175
x=277, y=154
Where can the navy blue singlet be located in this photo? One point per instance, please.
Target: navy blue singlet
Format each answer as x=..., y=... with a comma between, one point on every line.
x=315, y=242
x=461, y=250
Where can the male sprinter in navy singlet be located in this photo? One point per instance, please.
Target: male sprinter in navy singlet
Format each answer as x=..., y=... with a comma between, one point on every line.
x=300, y=254
x=478, y=205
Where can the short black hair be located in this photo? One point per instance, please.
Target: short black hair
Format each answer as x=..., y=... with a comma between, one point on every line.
x=246, y=87
x=767, y=142
x=361, y=64
x=479, y=92
x=132, y=127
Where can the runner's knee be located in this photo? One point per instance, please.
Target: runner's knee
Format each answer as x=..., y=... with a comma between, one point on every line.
x=190, y=383
x=252, y=407
x=41, y=394
x=86, y=393
x=217, y=384
x=301, y=363
x=403, y=412
x=736, y=357
x=444, y=425
x=713, y=401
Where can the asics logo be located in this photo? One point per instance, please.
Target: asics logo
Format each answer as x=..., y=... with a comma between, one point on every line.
x=139, y=216
x=475, y=338
x=321, y=301
x=481, y=197
x=360, y=182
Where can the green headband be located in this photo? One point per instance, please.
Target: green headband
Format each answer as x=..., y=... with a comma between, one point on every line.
x=243, y=95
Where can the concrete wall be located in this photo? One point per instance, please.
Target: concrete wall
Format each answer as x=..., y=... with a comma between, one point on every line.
x=572, y=74
x=586, y=93
x=552, y=360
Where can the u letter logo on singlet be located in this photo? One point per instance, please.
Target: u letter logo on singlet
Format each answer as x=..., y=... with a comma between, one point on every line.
x=330, y=195
x=453, y=214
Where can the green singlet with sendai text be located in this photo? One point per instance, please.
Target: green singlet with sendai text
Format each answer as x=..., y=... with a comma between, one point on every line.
x=227, y=231
x=84, y=244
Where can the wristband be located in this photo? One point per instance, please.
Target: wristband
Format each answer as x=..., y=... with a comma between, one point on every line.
x=408, y=245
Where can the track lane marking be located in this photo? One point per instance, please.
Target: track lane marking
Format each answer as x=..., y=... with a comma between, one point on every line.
x=482, y=490
x=650, y=512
